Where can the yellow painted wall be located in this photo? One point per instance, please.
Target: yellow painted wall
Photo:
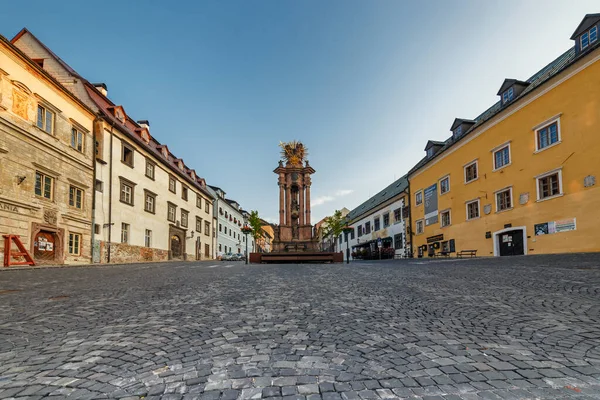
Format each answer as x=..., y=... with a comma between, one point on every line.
x=577, y=99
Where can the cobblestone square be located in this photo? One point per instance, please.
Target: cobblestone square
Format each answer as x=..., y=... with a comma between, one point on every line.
x=510, y=328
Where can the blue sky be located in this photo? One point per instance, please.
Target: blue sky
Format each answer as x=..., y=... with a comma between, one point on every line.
x=364, y=84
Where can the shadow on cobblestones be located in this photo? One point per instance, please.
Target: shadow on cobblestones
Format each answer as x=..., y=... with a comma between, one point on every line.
x=518, y=328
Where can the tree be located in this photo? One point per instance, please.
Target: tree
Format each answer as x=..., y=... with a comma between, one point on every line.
x=334, y=225
x=255, y=223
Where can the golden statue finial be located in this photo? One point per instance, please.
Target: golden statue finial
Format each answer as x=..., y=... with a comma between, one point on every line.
x=294, y=152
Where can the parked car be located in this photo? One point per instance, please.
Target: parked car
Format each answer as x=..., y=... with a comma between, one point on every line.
x=227, y=257
x=240, y=257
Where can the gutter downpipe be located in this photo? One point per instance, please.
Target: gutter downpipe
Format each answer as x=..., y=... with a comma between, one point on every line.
x=410, y=229
x=93, y=239
x=110, y=176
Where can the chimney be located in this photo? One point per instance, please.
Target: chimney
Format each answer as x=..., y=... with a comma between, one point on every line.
x=144, y=124
x=102, y=88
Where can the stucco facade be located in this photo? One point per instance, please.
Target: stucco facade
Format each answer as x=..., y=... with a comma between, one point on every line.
x=230, y=219
x=46, y=162
x=536, y=160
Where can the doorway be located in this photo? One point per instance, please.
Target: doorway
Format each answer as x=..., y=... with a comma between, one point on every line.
x=175, y=246
x=510, y=242
x=44, y=246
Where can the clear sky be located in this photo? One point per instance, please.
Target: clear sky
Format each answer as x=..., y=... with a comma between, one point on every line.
x=364, y=84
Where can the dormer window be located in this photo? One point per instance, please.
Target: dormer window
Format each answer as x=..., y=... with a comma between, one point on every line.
x=508, y=95
x=430, y=152
x=458, y=132
x=589, y=37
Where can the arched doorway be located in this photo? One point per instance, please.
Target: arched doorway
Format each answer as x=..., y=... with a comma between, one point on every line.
x=175, y=246
x=44, y=246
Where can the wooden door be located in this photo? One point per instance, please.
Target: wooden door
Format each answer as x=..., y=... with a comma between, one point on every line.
x=44, y=246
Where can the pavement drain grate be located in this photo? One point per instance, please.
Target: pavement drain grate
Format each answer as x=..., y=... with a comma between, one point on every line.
x=62, y=297
x=10, y=291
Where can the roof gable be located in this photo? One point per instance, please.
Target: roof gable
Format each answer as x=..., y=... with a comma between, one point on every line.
x=586, y=23
x=432, y=143
x=510, y=82
x=459, y=121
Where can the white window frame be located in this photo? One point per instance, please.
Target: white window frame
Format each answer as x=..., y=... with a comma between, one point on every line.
x=467, y=218
x=543, y=125
x=420, y=222
x=544, y=175
x=78, y=135
x=125, y=231
x=46, y=111
x=148, y=238
x=595, y=27
x=497, y=149
x=416, y=201
x=476, y=162
x=512, y=204
x=581, y=46
x=449, y=211
x=71, y=247
x=440, y=184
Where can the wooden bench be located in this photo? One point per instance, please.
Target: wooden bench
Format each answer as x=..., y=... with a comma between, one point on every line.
x=442, y=253
x=471, y=253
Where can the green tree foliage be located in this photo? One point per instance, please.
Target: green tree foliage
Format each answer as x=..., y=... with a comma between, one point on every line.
x=256, y=224
x=334, y=225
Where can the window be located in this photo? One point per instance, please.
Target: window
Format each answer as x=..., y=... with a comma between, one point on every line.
x=127, y=192
x=386, y=220
x=77, y=138
x=148, y=238
x=471, y=172
x=419, y=198
x=405, y=212
x=398, y=241
x=473, y=209
x=502, y=157
x=367, y=227
x=207, y=228
x=124, y=233
x=75, y=197
x=430, y=152
x=206, y=206
x=397, y=214
x=504, y=200
x=547, y=136
x=184, y=218
x=74, y=244
x=458, y=132
x=184, y=193
x=198, y=201
x=508, y=95
x=352, y=234
x=226, y=215
x=127, y=155
x=220, y=226
x=219, y=247
x=150, y=202
x=549, y=185
x=45, y=119
x=150, y=167
x=359, y=231
x=171, y=212
x=593, y=34
x=445, y=185
x=419, y=227
x=99, y=185
x=585, y=40
x=198, y=224
x=445, y=218
x=172, y=184
x=376, y=224
x=44, y=186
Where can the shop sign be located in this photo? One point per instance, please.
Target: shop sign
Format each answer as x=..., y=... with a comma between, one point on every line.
x=548, y=228
x=435, y=238
x=431, y=205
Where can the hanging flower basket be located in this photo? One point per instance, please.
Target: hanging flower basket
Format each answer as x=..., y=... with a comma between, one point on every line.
x=246, y=229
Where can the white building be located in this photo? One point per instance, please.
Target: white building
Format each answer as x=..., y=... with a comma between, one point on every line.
x=148, y=205
x=383, y=216
x=229, y=220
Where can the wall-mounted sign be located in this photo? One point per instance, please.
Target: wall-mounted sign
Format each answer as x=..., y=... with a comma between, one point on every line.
x=548, y=228
x=487, y=209
x=488, y=235
x=523, y=198
x=435, y=238
x=431, y=205
x=8, y=207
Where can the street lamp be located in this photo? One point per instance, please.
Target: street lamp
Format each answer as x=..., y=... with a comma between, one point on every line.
x=246, y=230
x=347, y=230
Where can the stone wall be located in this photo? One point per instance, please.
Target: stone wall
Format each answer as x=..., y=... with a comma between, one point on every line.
x=122, y=253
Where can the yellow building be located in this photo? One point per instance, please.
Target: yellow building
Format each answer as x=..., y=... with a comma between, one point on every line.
x=521, y=177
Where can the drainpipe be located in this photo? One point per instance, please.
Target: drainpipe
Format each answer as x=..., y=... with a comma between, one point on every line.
x=110, y=175
x=94, y=135
x=410, y=252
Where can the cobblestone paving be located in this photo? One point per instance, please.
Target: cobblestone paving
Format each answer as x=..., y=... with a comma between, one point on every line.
x=518, y=328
